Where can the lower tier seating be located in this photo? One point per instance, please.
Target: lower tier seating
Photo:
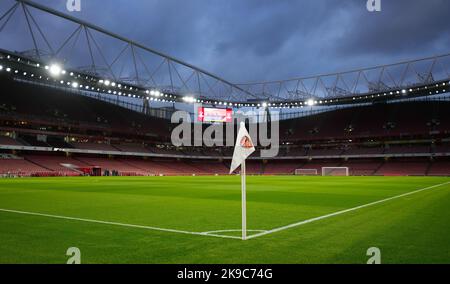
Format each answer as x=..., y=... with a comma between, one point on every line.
x=56, y=165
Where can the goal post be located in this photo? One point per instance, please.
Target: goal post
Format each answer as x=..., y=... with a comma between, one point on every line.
x=335, y=171
x=306, y=172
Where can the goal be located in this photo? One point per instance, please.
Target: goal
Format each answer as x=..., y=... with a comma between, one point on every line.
x=335, y=171
x=305, y=172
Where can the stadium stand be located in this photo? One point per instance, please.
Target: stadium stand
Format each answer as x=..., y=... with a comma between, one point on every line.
x=54, y=163
x=20, y=166
x=281, y=167
x=4, y=140
x=57, y=108
x=365, y=121
x=133, y=143
x=364, y=151
x=403, y=168
x=101, y=146
x=440, y=167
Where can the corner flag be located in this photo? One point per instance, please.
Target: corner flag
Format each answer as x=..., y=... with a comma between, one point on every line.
x=244, y=147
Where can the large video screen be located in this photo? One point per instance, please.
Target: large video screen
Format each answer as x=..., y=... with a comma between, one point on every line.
x=215, y=114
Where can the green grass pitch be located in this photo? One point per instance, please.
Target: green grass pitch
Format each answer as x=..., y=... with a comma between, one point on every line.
x=410, y=229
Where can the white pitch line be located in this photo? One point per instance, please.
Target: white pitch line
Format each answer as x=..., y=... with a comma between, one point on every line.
x=342, y=212
x=118, y=224
x=230, y=231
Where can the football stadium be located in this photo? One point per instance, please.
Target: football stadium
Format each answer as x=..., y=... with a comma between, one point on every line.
x=113, y=151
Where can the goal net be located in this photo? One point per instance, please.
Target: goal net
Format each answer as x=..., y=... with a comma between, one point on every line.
x=305, y=172
x=335, y=171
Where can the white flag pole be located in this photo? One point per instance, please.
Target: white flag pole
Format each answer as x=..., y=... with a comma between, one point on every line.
x=244, y=205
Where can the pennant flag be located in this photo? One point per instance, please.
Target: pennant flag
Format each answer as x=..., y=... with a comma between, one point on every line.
x=244, y=147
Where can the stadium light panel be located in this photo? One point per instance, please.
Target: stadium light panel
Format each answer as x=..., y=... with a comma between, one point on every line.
x=75, y=85
x=107, y=82
x=55, y=70
x=189, y=99
x=1, y=67
x=310, y=102
x=264, y=104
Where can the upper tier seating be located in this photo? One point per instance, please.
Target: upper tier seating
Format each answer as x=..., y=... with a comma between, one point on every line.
x=371, y=121
x=57, y=106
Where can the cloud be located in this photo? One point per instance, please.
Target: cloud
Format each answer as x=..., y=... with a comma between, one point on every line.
x=256, y=40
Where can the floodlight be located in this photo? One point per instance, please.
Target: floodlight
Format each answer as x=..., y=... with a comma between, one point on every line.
x=310, y=102
x=189, y=99
x=75, y=85
x=55, y=70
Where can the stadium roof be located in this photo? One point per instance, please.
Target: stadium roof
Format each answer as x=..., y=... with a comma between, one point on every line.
x=111, y=58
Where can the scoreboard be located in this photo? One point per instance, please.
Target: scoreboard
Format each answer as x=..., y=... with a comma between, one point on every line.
x=223, y=115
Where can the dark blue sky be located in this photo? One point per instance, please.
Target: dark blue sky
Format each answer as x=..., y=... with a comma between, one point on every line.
x=255, y=40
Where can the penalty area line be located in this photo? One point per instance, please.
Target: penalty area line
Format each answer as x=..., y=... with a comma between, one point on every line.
x=342, y=211
x=119, y=224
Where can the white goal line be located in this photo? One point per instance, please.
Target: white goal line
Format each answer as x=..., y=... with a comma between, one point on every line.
x=208, y=234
